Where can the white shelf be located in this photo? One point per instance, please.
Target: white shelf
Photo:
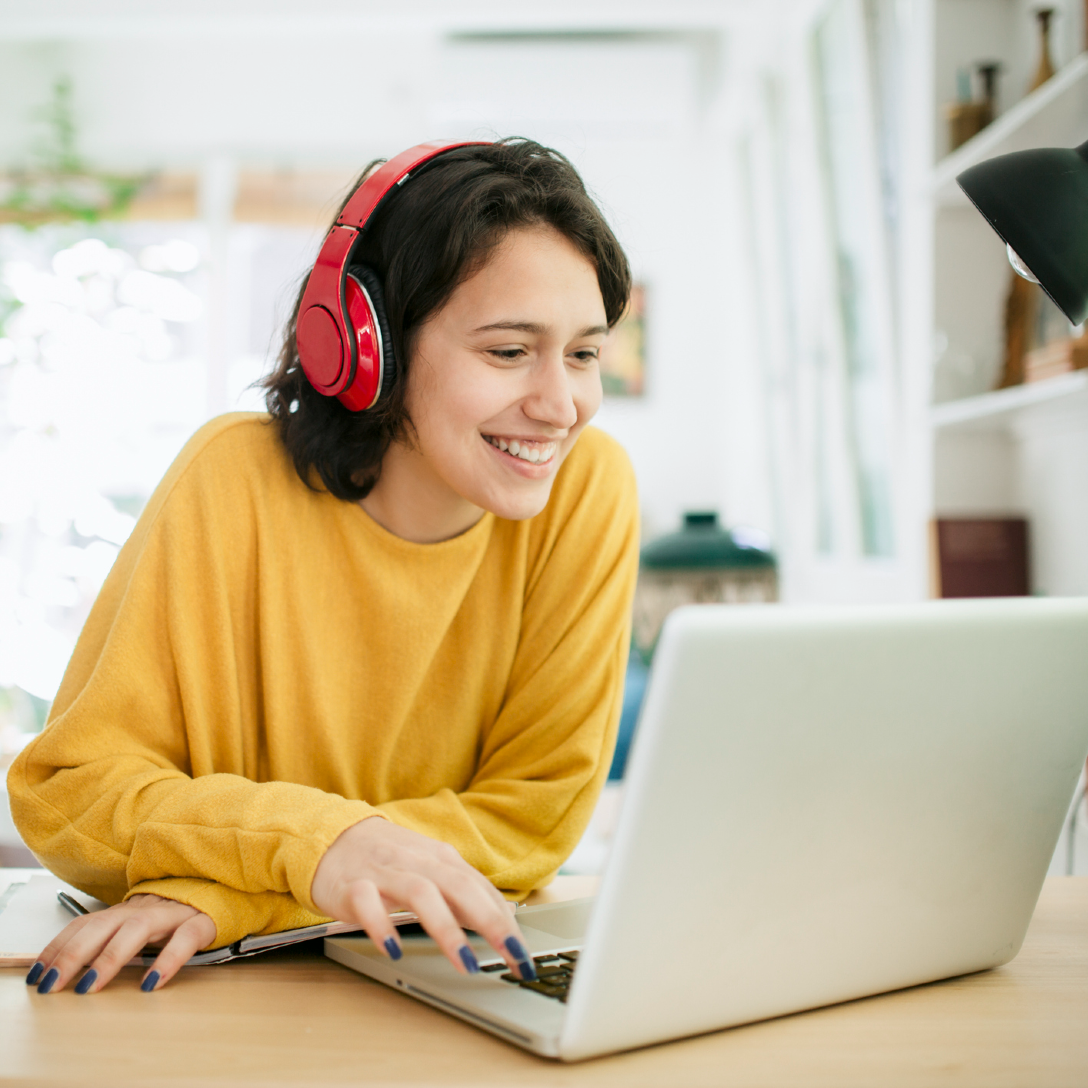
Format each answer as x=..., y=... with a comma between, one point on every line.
x=1055, y=115
x=997, y=410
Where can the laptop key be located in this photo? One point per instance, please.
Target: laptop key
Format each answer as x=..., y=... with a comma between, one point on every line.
x=500, y=966
x=554, y=975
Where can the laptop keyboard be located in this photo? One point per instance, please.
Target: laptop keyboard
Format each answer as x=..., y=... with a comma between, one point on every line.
x=553, y=974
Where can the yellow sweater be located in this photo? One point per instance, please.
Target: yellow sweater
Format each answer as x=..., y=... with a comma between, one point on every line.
x=266, y=666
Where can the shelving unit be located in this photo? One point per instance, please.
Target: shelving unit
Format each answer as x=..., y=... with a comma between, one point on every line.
x=1023, y=450
x=1045, y=118
x=1002, y=408
x=953, y=445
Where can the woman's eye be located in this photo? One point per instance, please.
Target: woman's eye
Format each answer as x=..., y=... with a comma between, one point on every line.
x=586, y=356
x=508, y=354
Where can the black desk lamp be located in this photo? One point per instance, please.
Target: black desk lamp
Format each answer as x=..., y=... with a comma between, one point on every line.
x=1037, y=201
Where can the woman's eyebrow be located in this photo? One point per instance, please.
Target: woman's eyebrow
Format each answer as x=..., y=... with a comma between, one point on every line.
x=534, y=328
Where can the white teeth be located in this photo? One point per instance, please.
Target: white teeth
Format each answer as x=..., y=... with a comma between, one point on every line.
x=532, y=454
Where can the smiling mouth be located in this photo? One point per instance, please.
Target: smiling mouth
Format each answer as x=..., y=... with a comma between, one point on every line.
x=531, y=450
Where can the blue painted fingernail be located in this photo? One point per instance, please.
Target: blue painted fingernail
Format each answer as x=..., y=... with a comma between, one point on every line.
x=150, y=982
x=87, y=981
x=468, y=958
x=525, y=965
x=393, y=948
x=47, y=982
x=35, y=973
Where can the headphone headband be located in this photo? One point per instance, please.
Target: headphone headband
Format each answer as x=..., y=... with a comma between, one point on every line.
x=341, y=353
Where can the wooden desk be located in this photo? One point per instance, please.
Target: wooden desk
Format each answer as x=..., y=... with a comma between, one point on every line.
x=293, y=1017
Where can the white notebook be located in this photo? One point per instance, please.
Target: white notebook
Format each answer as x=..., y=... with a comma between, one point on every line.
x=31, y=915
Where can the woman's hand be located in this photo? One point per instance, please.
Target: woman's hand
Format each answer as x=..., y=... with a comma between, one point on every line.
x=377, y=866
x=108, y=939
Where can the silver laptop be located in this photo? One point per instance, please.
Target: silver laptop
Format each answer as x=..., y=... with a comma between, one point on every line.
x=821, y=804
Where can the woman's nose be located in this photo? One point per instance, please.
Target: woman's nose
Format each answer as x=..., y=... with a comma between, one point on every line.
x=551, y=398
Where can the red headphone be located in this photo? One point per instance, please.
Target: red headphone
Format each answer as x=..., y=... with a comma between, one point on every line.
x=342, y=334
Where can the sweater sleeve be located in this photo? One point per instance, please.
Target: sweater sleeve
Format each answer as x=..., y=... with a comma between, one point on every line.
x=113, y=796
x=545, y=759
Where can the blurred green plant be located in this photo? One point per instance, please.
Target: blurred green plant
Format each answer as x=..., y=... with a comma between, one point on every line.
x=59, y=186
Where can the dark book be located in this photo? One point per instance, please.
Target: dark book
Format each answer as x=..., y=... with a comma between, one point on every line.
x=982, y=557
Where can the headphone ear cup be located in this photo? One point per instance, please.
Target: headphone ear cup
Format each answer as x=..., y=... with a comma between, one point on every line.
x=373, y=284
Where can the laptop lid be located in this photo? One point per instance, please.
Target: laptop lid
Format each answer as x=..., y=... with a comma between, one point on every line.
x=852, y=800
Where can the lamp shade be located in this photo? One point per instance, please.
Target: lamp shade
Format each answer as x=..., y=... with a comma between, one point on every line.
x=703, y=544
x=1037, y=201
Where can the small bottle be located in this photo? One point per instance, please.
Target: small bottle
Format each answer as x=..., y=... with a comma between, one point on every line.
x=988, y=71
x=1046, y=65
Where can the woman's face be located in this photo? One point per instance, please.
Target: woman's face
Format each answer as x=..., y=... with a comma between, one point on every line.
x=504, y=377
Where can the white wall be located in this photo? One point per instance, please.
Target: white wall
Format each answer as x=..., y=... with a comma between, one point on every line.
x=971, y=279
x=1052, y=489
x=978, y=476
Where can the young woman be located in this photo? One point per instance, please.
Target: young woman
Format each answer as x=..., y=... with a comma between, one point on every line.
x=355, y=661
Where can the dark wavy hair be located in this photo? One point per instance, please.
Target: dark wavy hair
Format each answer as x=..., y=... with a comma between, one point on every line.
x=427, y=238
